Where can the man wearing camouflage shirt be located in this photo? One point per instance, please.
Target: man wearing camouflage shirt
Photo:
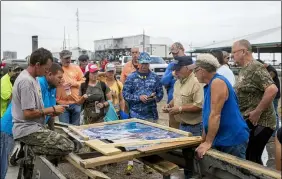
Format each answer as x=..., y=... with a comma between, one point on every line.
x=255, y=90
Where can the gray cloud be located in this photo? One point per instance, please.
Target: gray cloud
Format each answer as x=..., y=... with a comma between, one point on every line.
x=198, y=23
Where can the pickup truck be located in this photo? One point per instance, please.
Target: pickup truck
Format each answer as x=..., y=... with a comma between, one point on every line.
x=7, y=63
x=157, y=64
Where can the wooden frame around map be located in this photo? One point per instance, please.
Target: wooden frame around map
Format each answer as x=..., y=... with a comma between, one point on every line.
x=111, y=148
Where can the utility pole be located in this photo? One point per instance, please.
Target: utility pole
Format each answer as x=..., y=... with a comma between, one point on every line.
x=69, y=40
x=64, y=43
x=143, y=40
x=77, y=27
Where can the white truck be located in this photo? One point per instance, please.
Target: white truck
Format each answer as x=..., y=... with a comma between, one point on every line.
x=157, y=65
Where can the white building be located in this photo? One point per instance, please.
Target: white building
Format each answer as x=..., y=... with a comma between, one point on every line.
x=122, y=45
x=9, y=54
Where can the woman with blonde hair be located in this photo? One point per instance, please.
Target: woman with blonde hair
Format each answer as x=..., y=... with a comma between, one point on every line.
x=115, y=86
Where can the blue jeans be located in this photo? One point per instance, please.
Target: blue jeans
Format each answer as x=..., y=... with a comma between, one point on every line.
x=236, y=150
x=6, y=147
x=275, y=104
x=196, y=130
x=71, y=115
x=188, y=153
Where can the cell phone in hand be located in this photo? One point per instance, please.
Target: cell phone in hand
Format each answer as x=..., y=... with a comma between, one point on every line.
x=64, y=105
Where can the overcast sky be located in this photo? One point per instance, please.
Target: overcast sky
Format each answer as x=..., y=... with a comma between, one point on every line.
x=198, y=23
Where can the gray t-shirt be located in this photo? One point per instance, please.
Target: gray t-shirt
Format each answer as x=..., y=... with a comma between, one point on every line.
x=26, y=95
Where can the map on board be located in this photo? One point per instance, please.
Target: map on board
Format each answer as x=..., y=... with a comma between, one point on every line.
x=129, y=131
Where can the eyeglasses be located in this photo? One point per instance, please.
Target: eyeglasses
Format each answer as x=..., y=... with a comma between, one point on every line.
x=197, y=69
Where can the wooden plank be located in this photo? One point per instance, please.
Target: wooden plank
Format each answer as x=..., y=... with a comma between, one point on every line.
x=247, y=165
x=102, y=147
x=79, y=132
x=157, y=163
x=103, y=160
x=104, y=123
x=75, y=161
x=124, y=156
x=157, y=141
x=168, y=146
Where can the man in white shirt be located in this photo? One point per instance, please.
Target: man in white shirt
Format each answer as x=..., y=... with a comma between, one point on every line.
x=223, y=70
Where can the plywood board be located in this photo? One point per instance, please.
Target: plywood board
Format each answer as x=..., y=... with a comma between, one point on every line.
x=102, y=147
x=124, y=156
x=94, y=174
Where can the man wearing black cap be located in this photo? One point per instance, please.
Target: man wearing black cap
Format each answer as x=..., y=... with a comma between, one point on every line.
x=186, y=105
x=83, y=62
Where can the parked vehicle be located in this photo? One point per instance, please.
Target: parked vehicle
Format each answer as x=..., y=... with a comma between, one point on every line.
x=157, y=65
x=7, y=63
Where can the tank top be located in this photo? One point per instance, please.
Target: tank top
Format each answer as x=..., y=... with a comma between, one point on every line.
x=233, y=129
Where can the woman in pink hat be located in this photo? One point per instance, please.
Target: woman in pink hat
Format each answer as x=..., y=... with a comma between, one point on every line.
x=94, y=98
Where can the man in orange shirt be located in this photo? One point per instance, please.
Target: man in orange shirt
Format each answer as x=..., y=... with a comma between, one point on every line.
x=68, y=93
x=130, y=66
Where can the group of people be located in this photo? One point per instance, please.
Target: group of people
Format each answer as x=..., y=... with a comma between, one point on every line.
x=237, y=117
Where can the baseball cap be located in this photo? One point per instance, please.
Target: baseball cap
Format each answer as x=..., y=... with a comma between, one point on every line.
x=93, y=68
x=65, y=54
x=15, y=68
x=110, y=67
x=175, y=47
x=83, y=58
x=181, y=61
x=144, y=57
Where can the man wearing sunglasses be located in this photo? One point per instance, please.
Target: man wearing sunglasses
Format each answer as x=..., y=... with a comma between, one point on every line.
x=68, y=93
x=256, y=91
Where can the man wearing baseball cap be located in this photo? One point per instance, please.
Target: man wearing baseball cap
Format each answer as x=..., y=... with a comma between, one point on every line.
x=7, y=85
x=68, y=93
x=168, y=79
x=186, y=105
x=142, y=90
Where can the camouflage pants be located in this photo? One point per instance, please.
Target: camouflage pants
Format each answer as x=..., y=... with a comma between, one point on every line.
x=47, y=142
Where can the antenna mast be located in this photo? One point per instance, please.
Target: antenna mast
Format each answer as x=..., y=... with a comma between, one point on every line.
x=77, y=27
x=143, y=40
x=64, y=43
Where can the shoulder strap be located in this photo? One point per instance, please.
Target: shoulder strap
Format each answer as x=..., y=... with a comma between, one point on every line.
x=83, y=88
x=103, y=85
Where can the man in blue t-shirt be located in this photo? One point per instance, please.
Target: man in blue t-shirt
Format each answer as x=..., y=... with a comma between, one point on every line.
x=48, y=86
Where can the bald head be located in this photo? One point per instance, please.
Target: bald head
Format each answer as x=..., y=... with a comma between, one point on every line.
x=242, y=52
x=135, y=53
x=244, y=44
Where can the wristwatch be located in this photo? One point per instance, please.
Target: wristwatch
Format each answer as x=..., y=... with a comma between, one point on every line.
x=180, y=109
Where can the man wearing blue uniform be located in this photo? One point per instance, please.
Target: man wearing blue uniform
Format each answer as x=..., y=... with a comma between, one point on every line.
x=142, y=90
